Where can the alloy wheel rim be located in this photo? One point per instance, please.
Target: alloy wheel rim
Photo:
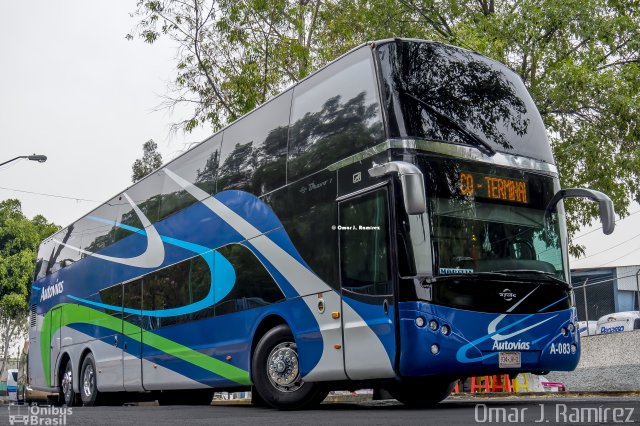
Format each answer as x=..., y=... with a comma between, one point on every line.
x=283, y=367
x=67, y=385
x=88, y=380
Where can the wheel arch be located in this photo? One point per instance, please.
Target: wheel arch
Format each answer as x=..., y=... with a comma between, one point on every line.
x=63, y=359
x=76, y=382
x=267, y=323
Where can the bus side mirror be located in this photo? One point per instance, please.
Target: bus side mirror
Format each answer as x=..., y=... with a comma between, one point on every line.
x=607, y=213
x=412, y=181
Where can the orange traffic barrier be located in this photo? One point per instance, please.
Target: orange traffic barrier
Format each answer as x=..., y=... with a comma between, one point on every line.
x=501, y=383
x=480, y=384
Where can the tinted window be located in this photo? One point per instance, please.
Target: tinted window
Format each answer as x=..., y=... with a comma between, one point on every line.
x=444, y=93
x=45, y=254
x=146, y=195
x=112, y=296
x=307, y=210
x=98, y=227
x=254, y=149
x=64, y=254
x=173, y=287
x=132, y=299
x=198, y=166
x=335, y=113
x=254, y=286
x=364, y=244
x=166, y=289
x=118, y=211
x=199, y=279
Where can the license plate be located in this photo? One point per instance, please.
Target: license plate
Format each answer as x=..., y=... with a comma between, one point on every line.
x=509, y=360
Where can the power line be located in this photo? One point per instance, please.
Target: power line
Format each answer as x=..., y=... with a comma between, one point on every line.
x=607, y=280
x=618, y=258
x=49, y=195
x=610, y=248
x=600, y=227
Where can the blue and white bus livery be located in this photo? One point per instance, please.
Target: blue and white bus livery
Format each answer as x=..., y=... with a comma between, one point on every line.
x=394, y=221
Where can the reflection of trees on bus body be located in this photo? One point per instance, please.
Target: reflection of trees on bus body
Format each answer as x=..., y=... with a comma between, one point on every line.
x=457, y=85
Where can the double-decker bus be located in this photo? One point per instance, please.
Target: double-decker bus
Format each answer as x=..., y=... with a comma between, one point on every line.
x=394, y=221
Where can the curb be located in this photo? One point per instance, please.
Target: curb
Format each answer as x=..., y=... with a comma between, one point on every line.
x=337, y=399
x=568, y=394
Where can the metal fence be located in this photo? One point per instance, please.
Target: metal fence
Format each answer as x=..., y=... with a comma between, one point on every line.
x=597, y=297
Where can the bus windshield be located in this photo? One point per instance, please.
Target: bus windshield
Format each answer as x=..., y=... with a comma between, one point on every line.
x=454, y=95
x=486, y=218
x=472, y=236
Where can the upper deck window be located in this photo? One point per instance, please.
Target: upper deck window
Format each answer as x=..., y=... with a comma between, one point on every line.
x=443, y=93
x=335, y=113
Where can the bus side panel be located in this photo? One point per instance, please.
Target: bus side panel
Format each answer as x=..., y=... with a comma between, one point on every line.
x=35, y=371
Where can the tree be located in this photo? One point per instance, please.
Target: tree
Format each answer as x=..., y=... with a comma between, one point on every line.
x=151, y=160
x=19, y=240
x=580, y=59
x=232, y=55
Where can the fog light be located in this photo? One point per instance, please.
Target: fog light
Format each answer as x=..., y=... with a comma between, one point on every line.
x=564, y=331
x=445, y=330
x=574, y=348
x=433, y=324
x=571, y=327
x=435, y=349
x=420, y=322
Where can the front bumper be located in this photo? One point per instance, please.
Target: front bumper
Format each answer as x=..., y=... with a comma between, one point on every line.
x=545, y=341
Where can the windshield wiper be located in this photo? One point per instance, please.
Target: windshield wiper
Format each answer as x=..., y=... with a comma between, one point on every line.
x=549, y=275
x=480, y=143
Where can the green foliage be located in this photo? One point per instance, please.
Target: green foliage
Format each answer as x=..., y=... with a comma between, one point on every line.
x=19, y=240
x=151, y=160
x=580, y=60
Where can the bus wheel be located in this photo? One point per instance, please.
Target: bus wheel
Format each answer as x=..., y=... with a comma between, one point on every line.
x=421, y=394
x=88, y=385
x=67, y=395
x=276, y=373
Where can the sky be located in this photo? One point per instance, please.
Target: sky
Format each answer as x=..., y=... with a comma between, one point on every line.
x=74, y=89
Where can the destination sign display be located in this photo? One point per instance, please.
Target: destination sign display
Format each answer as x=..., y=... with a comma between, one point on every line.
x=494, y=187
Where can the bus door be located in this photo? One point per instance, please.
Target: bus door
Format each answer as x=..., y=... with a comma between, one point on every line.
x=131, y=336
x=366, y=280
x=54, y=325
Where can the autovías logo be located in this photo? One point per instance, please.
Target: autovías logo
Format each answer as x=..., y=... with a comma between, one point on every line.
x=510, y=346
x=53, y=290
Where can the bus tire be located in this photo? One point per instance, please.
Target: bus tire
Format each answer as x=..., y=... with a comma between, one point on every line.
x=67, y=395
x=424, y=393
x=88, y=382
x=276, y=374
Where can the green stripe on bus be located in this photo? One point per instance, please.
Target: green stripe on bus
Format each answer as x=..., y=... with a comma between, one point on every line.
x=78, y=314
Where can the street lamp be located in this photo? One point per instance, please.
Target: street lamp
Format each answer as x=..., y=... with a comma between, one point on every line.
x=34, y=157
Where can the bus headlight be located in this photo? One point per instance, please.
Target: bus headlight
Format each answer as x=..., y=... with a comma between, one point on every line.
x=435, y=349
x=420, y=322
x=571, y=327
x=433, y=325
x=445, y=330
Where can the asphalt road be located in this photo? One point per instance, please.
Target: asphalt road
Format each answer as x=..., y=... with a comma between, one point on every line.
x=451, y=412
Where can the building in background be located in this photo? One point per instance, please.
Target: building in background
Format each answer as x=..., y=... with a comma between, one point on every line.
x=601, y=291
